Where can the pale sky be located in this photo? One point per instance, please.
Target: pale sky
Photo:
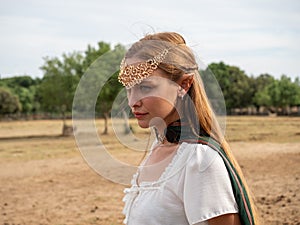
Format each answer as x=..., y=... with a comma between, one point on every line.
x=259, y=36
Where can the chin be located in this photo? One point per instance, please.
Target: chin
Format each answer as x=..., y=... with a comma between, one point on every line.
x=143, y=124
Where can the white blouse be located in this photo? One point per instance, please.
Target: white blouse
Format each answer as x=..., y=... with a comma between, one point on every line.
x=193, y=188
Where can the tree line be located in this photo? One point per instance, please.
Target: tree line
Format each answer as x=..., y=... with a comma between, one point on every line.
x=53, y=93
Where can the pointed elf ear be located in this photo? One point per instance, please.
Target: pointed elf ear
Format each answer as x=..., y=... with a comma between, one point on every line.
x=185, y=81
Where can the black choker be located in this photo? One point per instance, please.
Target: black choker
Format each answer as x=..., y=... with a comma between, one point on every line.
x=179, y=131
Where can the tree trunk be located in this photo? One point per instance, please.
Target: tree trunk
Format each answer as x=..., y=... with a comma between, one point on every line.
x=67, y=129
x=127, y=127
x=287, y=110
x=105, y=131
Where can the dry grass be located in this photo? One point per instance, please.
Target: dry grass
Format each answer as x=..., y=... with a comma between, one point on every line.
x=32, y=140
x=44, y=180
x=263, y=129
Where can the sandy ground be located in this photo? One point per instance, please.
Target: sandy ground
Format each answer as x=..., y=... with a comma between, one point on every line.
x=66, y=191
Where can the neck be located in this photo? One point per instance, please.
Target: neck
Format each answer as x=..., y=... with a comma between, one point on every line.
x=161, y=129
x=169, y=119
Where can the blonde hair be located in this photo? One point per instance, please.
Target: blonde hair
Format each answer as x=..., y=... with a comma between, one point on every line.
x=181, y=60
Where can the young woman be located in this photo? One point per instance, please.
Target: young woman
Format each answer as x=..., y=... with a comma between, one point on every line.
x=190, y=175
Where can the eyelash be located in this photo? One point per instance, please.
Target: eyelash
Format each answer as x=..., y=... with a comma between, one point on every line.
x=145, y=88
x=141, y=88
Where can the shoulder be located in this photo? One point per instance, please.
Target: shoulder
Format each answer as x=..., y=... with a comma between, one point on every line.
x=195, y=161
x=207, y=190
x=201, y=156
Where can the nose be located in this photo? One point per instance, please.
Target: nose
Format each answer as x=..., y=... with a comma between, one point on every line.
x=134, y=99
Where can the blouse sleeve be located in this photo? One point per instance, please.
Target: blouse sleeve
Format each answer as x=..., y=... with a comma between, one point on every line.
x=207, y=190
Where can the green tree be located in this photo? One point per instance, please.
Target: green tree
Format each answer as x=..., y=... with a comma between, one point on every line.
x=61, y=77
x=284, y=93
x=25, y=88
x=296, y=84
x=9, y=103
x=261, y=85
x=20, y=81
x=262, y=98
x=288, y=93
x=26, y=97
x=234, y=83
x=93, y=53
x=58, y=85
x=102, y=66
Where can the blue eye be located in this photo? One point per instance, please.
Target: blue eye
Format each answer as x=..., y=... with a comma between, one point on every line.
x=145, y=88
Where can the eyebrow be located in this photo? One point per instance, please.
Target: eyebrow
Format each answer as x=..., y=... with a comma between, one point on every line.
x=147, y=81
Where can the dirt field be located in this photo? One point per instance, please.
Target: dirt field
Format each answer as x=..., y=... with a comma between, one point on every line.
x=44, y=179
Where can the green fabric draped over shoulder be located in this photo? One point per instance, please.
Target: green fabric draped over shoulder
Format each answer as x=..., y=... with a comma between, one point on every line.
x=178, y=132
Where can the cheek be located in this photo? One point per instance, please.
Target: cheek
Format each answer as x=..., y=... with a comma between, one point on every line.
x=158, y=107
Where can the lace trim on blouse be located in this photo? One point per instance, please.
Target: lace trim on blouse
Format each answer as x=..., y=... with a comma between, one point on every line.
x=132, y=192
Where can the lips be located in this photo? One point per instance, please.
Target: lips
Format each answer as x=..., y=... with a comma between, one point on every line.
x=139, y=115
